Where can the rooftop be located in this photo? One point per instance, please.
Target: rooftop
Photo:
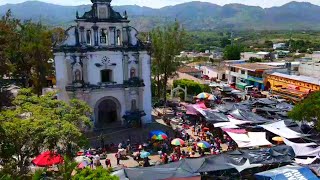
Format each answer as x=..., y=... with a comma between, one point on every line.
x=187, y=69
x=253, y=66
x=280, y=63
x=306, y=79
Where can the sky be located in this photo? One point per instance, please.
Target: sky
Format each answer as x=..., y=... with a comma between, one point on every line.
x=162, y=3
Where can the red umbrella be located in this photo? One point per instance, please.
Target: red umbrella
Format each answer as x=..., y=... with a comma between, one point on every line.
x=47, y=158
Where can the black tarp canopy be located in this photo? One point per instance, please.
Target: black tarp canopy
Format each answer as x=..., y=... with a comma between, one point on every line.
x=231, y=160
x=247, y=116
x=215, y=117
x=284, y=106
x=264, y=101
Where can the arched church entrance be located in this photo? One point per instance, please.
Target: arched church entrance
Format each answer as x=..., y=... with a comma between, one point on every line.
x=107, y=111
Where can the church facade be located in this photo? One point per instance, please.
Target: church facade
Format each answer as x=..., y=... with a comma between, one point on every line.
x=103, y=63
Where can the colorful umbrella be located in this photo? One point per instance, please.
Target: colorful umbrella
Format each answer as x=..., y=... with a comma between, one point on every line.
x=144, y=154
x=212, y=97
x=47, y=158
x=177, y=142
x=203, y=144
x=158, y=135
x=203, y=95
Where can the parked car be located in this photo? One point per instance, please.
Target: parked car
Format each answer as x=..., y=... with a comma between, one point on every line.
x=277, y=98
x=205, y=77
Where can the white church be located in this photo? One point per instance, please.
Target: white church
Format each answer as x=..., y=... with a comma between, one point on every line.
x=103, y=63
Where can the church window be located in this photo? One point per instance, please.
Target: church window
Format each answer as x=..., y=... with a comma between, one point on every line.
x=133, y=105
x=82, y=40
x=132, y=72
x=118, y=38
x=96, y=37
x=103, y=36
x=106, y=75
x=89, y=37
x=77, y=75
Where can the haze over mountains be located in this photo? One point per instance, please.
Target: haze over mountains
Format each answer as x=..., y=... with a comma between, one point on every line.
x=193, y=15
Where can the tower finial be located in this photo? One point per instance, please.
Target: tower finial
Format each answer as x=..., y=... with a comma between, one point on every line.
x=125, y=15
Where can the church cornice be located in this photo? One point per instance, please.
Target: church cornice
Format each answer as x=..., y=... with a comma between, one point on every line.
x=73, y=49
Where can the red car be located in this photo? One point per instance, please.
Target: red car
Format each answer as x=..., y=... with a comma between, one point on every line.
x=205, y=77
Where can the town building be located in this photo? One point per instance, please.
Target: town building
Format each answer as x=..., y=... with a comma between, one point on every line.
x=279, y=46
x=248, y=74
x=311, y=69
x=315, y=56
x=214, y=72
x=191, y=71
x=258, y=55
x=295, y=86
x=103, y=63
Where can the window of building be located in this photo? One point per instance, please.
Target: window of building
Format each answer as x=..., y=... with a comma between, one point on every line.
x=89, y=37
x=118, y=38
x=133, y=105
x=106, y=75
x=243, y=72
x=77, y=75
x=233, y=69
x=103, y=36
x=132, y=72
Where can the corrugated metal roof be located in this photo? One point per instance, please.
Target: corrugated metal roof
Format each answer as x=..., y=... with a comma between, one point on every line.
x=306, y=79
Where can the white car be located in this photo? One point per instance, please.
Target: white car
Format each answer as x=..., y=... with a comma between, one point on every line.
x=277, y=98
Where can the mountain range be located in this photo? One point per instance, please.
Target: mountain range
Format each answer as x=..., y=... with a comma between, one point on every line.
x=193, y=15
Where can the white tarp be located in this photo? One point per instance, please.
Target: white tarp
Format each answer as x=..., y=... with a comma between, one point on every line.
x=303, y=149
x=232, y=124
x=279, y=128
x=251, y=139
x=305, y=161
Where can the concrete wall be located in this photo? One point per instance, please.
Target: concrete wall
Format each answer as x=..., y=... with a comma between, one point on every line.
x=115, y=57
x=310, y=69
x=146, y=75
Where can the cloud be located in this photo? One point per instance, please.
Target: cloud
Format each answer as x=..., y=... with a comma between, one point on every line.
x=161, y=3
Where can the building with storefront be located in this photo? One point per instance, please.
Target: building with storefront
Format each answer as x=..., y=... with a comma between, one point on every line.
x=103, y=63
x=248, y=74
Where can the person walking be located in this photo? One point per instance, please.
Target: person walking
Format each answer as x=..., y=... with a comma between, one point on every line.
x=108, y=163
x=118, y=156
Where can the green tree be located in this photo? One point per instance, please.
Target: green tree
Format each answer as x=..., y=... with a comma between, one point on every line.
x=94, y=174
x=40, y=123
x=167, y=43
x=225, y=41
x=193, y=87
x=25, y=51
x=232, y=52
x=308, y=110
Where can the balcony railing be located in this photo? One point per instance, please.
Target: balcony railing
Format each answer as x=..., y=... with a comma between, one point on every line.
x=132, y=82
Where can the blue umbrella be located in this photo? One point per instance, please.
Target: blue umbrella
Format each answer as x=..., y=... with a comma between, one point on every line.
x=158, y=135
x=144, y=154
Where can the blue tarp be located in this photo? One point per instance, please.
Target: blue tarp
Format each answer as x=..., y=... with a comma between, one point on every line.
x=287, y=173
